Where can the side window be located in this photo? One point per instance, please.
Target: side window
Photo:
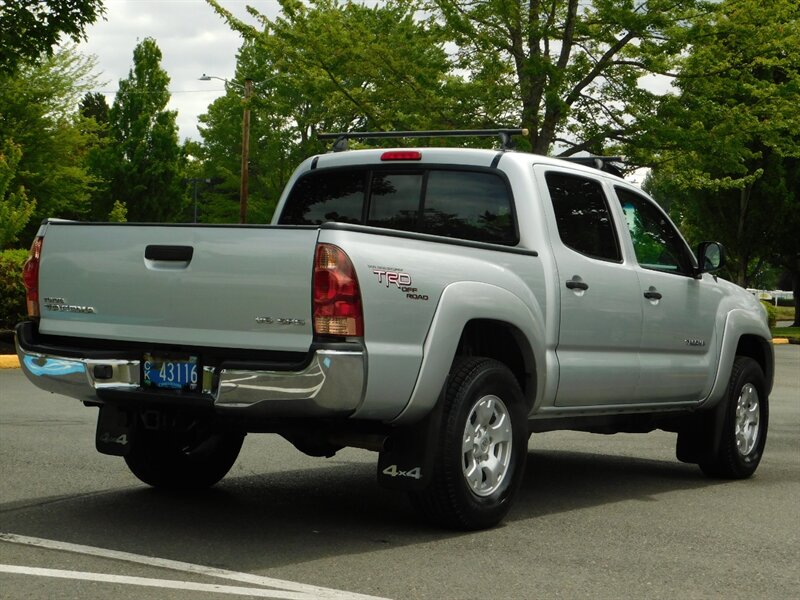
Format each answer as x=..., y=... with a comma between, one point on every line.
x=656, y=242
x=326, y=196
x=584, y=221
x=470, y=206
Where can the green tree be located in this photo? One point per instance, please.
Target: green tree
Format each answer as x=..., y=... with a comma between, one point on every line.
x=15, y=207
x=363, y=67
x=572, y=67
x=119, y=213
x=95, y=106
x=37, y=104
x=726, y=147
x=33, y=27
x=322, y=66
x=100, y=158
x=143, y=161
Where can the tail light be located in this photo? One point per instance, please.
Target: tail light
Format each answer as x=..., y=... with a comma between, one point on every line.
x=402, y=155
x=30, y=277
x=337, y=297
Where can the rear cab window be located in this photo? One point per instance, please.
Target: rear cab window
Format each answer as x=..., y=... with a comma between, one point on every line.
x=467, y=204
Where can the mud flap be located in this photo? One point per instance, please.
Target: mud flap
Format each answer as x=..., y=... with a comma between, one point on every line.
x=114, y=431
x=699, y=440
x=407, y=462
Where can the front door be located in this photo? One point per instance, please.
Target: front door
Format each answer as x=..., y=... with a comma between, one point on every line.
x=679, y=343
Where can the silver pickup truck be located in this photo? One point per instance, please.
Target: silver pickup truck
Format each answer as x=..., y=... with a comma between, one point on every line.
x=435, y=305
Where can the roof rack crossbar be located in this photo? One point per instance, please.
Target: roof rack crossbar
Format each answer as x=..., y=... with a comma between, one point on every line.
x=341, y=138
x=602, y=163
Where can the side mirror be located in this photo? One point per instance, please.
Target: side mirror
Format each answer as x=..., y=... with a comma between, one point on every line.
x=710, y=257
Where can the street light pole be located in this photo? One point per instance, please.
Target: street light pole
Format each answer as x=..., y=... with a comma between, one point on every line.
x=243, y=188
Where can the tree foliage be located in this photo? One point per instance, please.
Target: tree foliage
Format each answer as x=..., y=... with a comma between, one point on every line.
x=38, y=117
x=727, y=146
x=15, y=207
x=568, y=70
x=95, y=106
x=572, y=67
x=143, y=161
x=32, y=28
x=322, y=66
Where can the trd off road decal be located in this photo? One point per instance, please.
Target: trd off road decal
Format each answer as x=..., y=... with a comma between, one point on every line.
x=397, y=278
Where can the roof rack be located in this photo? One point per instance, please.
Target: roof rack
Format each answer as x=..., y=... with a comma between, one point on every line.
x=609, y=164
x=341, y=138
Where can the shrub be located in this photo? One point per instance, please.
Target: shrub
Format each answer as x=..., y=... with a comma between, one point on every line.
x=772, y=313
x=12, y=292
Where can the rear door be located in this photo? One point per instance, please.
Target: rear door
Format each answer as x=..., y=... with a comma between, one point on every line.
x=601, y=315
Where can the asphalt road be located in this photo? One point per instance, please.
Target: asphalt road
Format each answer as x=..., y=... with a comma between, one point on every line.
x=598, y=517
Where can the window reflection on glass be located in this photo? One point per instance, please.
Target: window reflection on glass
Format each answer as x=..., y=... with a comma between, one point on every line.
x=584, y=223
x=394, y=200
x=334, y=196
x=656, y=242
x=468, y=205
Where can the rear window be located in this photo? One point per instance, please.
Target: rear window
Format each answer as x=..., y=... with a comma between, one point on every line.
x=469, y=205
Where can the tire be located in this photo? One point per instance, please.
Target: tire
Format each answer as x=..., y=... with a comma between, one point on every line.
x=181, y=461
x=483, y=445
x=744, y=428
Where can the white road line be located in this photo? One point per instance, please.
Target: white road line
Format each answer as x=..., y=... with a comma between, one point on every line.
x=158, y=583
x=312, y=590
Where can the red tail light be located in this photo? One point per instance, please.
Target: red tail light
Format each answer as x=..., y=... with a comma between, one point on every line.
x=401, y=155
x=337, y=297
x=30, y=277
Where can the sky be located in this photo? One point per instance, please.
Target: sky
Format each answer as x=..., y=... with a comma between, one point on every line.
x=193, y=40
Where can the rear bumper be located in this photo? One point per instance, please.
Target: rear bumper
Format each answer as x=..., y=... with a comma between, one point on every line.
x=329, y=383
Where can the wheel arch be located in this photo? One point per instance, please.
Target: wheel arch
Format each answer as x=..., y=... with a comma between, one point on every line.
x=760, y=350
x=744, y=335
x=474, y=318
x=505, y=343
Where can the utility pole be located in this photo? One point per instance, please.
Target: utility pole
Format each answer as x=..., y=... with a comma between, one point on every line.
x=248, y=92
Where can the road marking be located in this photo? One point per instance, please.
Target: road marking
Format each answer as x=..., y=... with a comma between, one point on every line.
x=157, y=583
x=164, y=563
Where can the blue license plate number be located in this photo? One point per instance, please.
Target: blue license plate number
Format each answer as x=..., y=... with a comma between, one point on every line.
x=172, y=373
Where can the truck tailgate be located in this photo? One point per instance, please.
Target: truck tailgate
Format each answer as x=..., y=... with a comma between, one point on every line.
x=220, y=286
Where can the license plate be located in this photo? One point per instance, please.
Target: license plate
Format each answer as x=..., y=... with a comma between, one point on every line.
x=172, y=373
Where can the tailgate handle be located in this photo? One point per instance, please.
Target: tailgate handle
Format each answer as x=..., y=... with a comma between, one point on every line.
x=169, y=253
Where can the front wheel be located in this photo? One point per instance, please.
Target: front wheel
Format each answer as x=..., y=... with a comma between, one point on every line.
x=180, y=460
x=483, y=445
x=744, y=428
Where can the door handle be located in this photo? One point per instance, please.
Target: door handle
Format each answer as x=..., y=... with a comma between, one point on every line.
x=652, y=295
x=169, y=253
x=577, y=285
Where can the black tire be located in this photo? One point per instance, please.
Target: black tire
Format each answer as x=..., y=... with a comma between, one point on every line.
x=744, y=427
x=458, y=501
x=177, y=461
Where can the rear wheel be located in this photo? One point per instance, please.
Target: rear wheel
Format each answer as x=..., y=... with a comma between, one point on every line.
x=744, y=428
x=193, y=458
x=482, y=449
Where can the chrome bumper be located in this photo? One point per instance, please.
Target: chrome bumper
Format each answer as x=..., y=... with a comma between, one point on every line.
x=331, y=385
